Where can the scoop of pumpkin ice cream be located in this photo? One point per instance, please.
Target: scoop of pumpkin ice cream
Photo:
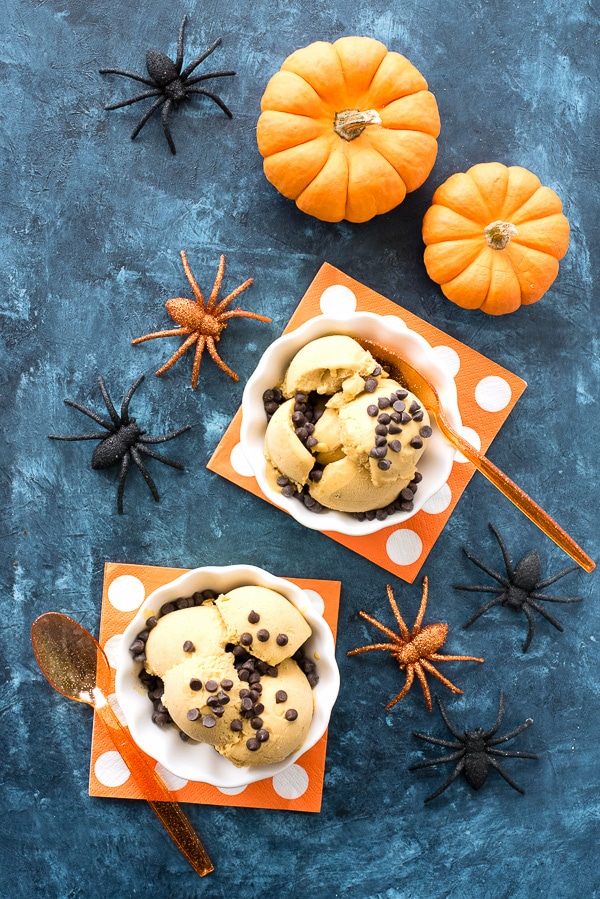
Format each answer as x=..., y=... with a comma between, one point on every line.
x=281, y=727
x=184, y=634
x=264, y=622
x=202, y=697
x=324, y=364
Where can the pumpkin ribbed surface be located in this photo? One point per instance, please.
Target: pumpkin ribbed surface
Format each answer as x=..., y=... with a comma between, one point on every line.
x=347, y=129
x=494, y=236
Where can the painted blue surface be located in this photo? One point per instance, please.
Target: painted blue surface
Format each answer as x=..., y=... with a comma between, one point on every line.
x=92, y=225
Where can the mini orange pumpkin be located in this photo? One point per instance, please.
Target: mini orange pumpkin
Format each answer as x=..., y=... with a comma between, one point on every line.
x=494, y=236
x=347, y=129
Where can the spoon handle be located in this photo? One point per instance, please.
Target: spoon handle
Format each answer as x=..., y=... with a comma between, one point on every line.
x=168, y=812
x=516, y=495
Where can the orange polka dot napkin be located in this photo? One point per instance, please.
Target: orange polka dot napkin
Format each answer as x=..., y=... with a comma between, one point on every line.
x=486, y=395
x=299, y=788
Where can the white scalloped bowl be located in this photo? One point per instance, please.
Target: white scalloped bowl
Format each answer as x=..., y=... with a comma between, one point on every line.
x=435, y=463
x=197, y=761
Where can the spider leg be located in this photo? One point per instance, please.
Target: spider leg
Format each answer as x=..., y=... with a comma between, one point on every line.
x=385, y=646
x=505, y=553
x=453, y=730
x=144, y=449
x=165, y=123
x=480, y=611
x=419, y=619
x=127, y=74
x=179, y=58
x=171, y=332
x=121, y=487
x=127, y=400
x=197, y=360
x=109, y=403
x=241, y=313
x=179, y=353
x=93, y=415
x=192, y=281
x=210, y=306
x=446, y=784
x=101, y=436
x=225, y=302
x=503, y=774
x=210, y=343
x=531, y=629
x=497, y=577
x=410, y=675
x=556, y=577
x=512, y=755
x=143, y=96
x=166, y=437
x=495, y=727
x=146, y=116
x=514, y=733
x=429, y=763
x=418, y=666
x=438, y=741
x=545, y=598
x=444, y=680
x=440, y=657
x=196, y=62
x=478, y=588
x=145, y=473
x=535, y=605
x=215, y=97
x=383, y=628
x=198, y=78
x=405, y=633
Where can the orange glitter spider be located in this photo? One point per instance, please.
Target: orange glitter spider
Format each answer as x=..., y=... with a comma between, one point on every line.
x=202, y=321
x=415, y=651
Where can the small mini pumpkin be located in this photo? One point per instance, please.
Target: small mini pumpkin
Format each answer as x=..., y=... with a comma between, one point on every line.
x=494, y=236
x=347, y=129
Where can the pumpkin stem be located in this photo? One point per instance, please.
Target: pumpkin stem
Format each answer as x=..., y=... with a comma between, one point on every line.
x=499, y=233
x=351, y=123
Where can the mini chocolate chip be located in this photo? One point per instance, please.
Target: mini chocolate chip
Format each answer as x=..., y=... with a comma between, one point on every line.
x=384, y=464
x=301, y=434
x=244, y=693
x=383, y=402
x=193, y=714
x=212, y=701
x=253, y=617
x=253, y=695
x=218, y=710
x=380, y=440
x=262, y=735
x=399, y=406
x=417, y=478
x=288, y=491
x=316, y=474
x=139, y=657
x=256, y=723
x=257, y=688
x=247, y=704
x=395, y=446
x=151, y=622
x=195, y=684
x=209, y=721
x=246, y=639
x=282, y=639
x=416, y=443
x=272, y=671
x=313, y=678
x=372, y=410
x=254, y=678
x=298, y=418
x=227, y=684
x=280, y=696
x=282, y=481
x=418, y=416
x=414, y=407
x=384, y=418
x=300, y=397
x=271, y=407
x=376, y=371
x=401, y=393
x=263, y=635
x=223, y=697
x=183, y=736
x=311, y=441
x=371, y=385
x=291, y=715
x=406, y=507
x=167, y=608
x=253, y=744
x=404, y=418
x=259, y=708
x=236, y=725
x=394, y=429
x=188, y=646
x=425, y=431
x=212, y=686
x=137, y=646
x=381, y=431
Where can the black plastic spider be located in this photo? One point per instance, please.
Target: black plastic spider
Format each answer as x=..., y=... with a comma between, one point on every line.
x=169, y=84
x=125, y=443
x=474, y=752
x=520, y=587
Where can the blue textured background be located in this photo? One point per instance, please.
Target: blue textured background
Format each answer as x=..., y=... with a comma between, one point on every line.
x=92, y=225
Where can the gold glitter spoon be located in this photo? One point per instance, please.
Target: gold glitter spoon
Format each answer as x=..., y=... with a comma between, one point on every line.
x=75, y=664
x=416, y=382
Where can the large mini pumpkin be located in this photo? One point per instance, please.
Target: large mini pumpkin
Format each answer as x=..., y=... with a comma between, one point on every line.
x=494, y=236
x=347, y=129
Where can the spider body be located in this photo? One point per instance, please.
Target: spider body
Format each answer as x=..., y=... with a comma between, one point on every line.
x=170, y=84
x=475, y=752
x=125, y=443
x=415, y=650
x=201, y=322
x=520, y=588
